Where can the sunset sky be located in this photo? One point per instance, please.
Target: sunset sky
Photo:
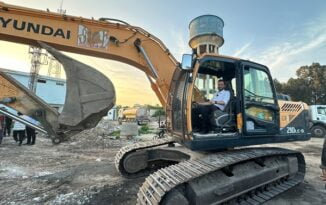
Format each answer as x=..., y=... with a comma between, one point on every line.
x=280, y=34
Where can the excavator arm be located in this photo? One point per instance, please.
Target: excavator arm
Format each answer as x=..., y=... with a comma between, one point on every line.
x=99, y=38
x=89, y=94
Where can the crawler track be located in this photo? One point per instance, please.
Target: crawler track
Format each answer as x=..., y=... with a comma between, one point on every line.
x=171, y=185
x=124, y=151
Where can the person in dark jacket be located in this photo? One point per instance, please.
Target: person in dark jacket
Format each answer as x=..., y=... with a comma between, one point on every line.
x=30, y=132
x=31, y=135
x=7, y=128
x=323, y=161
x=1, y=127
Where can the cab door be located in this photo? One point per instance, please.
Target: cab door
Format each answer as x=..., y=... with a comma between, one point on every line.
x=178, y=97
x=260, y=108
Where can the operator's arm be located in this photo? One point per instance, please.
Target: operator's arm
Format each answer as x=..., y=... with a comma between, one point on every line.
x=220, y=102
x=221, y=99
x=206, y=103
x=215, y=100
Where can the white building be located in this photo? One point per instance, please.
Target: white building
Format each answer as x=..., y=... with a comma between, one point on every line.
x=113, y=114
x=206, y=84
x=51, y=90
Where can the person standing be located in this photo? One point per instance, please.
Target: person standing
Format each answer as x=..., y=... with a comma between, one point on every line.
x=323, y=161
x=7, y=127
x=30, y=132
x=31, y=135
x=1, y=127
x=19, y=131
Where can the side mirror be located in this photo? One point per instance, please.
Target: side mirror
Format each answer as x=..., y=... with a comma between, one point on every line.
x=186, y=62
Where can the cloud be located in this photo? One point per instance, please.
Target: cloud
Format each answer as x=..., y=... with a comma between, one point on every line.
x=181, y=44
x=283, y=58
x=242, y=50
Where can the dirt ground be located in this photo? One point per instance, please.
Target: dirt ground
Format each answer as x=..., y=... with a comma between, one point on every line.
x=82, y=172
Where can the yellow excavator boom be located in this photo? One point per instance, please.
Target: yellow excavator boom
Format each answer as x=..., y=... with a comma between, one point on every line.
x=89, y=94
x=100, y=38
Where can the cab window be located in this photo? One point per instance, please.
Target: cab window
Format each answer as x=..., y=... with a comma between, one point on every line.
x=257, y=86
x=258, y=94
x=321, y=110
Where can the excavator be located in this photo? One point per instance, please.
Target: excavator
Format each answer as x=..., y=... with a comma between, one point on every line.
x=223, y=166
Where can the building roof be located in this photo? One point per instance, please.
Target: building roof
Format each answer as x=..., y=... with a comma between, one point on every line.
x=51, y=90
x=21, y=73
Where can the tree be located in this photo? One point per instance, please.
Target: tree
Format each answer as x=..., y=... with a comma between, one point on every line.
x=298, y=90
x=315, y=79
x=278, y=86
x=159, y=112
x=309, y=86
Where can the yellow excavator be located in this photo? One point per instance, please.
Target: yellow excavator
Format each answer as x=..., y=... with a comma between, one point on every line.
x=189, y=167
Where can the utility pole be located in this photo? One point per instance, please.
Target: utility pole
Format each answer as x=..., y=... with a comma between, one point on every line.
x=60, y=10
x=38, y=58
x=54, y=66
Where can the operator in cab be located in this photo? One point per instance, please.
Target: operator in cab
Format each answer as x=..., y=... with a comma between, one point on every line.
x=204, y=111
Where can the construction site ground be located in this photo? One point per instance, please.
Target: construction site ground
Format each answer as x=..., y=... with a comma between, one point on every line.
x=82, y=171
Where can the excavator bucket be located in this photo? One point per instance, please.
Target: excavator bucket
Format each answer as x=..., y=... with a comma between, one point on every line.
x=89, y=95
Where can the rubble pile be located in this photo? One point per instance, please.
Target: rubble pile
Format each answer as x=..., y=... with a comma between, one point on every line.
x=107, y=135
x=99, y=137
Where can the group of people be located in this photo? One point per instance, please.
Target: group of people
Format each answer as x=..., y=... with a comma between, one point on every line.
x=19, y=131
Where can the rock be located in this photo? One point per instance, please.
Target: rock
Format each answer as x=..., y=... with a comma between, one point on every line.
x=129, y=129
x=113, y=137
x=37, y=199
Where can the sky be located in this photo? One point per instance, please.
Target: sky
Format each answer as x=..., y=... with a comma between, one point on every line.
x=281, y=34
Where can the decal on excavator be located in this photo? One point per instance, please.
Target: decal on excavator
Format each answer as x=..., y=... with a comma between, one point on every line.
x=34, y=28
x=92, y=39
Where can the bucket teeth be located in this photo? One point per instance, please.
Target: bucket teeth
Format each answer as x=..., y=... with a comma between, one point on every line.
x=89, y=93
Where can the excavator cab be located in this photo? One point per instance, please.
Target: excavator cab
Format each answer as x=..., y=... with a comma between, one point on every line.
x=251, y=116
x=222, y=119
